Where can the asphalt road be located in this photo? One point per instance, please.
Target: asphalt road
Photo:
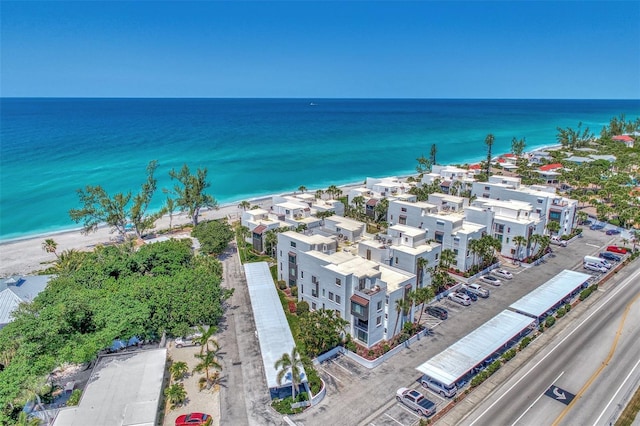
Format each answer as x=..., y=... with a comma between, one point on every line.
x=596, y=359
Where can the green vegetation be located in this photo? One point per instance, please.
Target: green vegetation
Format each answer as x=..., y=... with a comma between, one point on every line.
x=175, y=394
x=525, y=342
x=110, y=293
x=178, y=370
x=550, y=321
x=290, y=365
x=74, y=399
x=631, y=411
x=587, y=291
x=322, y=331
x=214, y=236
x=189, y=192
x=118, y=211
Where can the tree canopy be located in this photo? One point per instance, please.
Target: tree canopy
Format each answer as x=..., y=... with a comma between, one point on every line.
x=189, y=191
x=113, y=293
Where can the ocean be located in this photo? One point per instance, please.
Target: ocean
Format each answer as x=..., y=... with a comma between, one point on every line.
x=50, y=147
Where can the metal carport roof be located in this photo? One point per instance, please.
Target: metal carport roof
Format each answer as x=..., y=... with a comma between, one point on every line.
x=540, y=300
x=458, y=359
x=273, y=329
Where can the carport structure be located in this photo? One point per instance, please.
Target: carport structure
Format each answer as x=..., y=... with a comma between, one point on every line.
x=274, y=334
x=551, y=294
x=461, y=358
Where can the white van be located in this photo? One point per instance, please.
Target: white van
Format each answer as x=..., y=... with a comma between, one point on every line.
x=558, y=241
x=444, y=390
x=597, y=261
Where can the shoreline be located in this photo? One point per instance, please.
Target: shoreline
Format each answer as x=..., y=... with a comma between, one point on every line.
x=24, y=255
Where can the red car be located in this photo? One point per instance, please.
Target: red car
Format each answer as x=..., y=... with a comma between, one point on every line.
x=194, y=419
x=617, y=249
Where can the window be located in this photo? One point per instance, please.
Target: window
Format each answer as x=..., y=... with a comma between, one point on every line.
x=437, y=256
x=379, y=321
x=338, y=282
x=440, y=222
x=403, y=209
x=338, y=300
x=379, y=305
x=402, y=220
x=396, y=260
x=293, y=243
x=313, y=305
x=323, y=293
x=455, y=251
x=359, y=310
x=301, y=274
x=487, y=188
x=280, y=253
x=314, y=279
x=338, y=313
x=439, y=237
x=368, y=254
x=331, y=295
x=292, y=259
x=361, y=283
x=540, y=200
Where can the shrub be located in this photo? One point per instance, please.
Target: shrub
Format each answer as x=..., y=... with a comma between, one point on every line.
x=282, y=284
x=283, y=406
x=508, y=355
x=493, y=367
x=541, y=327
x=74, y=399
x=560, y=312
x=351, y=345
x=312, y=375
x=292, y=306
x=550, y=321
x=386, y=348
x=294, y=291
x=302, y=307
x=525, y=342
x=478, y=379
x=567, y=307
x=587, y=291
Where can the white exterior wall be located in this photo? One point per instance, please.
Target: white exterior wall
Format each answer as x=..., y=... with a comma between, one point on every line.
x=413, y=213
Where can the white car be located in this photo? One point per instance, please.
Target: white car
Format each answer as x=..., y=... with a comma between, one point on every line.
x=594, y=267
x=502, y=273
x=460, y=298
x=478, y=290
x=489, y=279
x=558, y=241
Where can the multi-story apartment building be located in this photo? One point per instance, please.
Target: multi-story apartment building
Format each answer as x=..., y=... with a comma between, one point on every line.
x=344, y=228
x=259, y=222
x=453, y=232
x=549, y=205
x=402, y=248
x=505, y=220
x=409, y=213
x=448, y=203
x=361, y=291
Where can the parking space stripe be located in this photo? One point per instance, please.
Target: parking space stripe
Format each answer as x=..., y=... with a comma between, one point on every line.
x=402, y=424
x=326, y=372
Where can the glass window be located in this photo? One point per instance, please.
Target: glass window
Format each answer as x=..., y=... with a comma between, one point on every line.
x=379, y=305
x=338, y=299
x=330, y=295
x=379, y=321
x=338, y=281
x=293, y=243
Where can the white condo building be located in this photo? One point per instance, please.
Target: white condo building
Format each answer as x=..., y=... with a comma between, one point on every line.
x=361, y=291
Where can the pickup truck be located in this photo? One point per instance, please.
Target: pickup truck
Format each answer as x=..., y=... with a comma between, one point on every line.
x=416, y=401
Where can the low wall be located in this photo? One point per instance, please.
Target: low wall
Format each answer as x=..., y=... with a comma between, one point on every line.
x=473, y=277
x=315, y=399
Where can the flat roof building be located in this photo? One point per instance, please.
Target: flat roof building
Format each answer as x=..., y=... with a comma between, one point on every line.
x=459, y=359
x=274, y=334
x=550, y=294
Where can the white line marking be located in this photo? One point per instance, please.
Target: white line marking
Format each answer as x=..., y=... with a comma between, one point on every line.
x=344, y=368
x=402, y=424
x=595, y=311
x=537, y=399
x=616, y=394
x=592, y=245
x=335, y=378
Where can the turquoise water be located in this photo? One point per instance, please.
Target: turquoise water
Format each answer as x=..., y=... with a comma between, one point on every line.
x=251, y=147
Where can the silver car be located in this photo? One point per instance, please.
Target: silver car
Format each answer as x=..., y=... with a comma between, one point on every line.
x=490, y=279
x=502, y=273
x=462, y=299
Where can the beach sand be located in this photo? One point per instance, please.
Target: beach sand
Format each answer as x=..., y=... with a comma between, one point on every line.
x=26, y=256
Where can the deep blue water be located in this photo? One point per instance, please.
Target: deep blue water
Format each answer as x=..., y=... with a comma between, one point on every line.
x=251, y=147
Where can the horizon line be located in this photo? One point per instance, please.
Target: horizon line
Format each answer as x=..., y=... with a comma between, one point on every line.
x=319, y=98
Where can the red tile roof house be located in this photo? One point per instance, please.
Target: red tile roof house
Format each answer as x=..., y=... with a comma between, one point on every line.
x=628, y=140
x=550, y=167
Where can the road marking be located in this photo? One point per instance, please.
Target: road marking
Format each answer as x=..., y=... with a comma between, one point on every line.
x=334, y=377
x=344, y=368
x=616, y=394
x=595, y=375
x=595, y=311
x=560, y=395
x=593, y=245
x=408, y=410
x=402, y=424
x=537, y=399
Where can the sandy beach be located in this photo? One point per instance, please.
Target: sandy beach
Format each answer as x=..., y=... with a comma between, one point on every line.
x=26, y=256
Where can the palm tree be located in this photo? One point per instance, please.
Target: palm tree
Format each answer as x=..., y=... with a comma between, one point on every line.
x=175, y=394
x=302, y=188
x=489, y=142
x=50, y=246
x=318, y=194
x=206, y=338
x=178, y=370
x=475, y=248
x=333, y=191
x=271, y=241
x=553, y=227
x=290, y=363
x=447, y=258
x=421, y=263
x=358, y=203
x=244, y=205
x=519, y=241
x=432, y=154
x=381, y=209
x=422, y=296
x=25, y=419
x=208, y=361
x=535, y=240
x=402, y=306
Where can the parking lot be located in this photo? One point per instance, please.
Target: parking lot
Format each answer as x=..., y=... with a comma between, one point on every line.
x=357, y=395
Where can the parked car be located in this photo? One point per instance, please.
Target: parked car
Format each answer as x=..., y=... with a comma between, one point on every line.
x=612, y=232
x=194, y=419
x=446, y=391
x=596, y=227
x=478, y=290
x=502, y=273
x=594, y=267
x=188, y=341
x=610, y=256
x=438, y=312
x=558, y=241
x=617, y=249
x=489, y=279
x=416, y=401
x=462, y=299
x=464, y=290
x=585, y=222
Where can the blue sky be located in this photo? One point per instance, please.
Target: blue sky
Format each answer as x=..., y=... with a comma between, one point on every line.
x=332, y=49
